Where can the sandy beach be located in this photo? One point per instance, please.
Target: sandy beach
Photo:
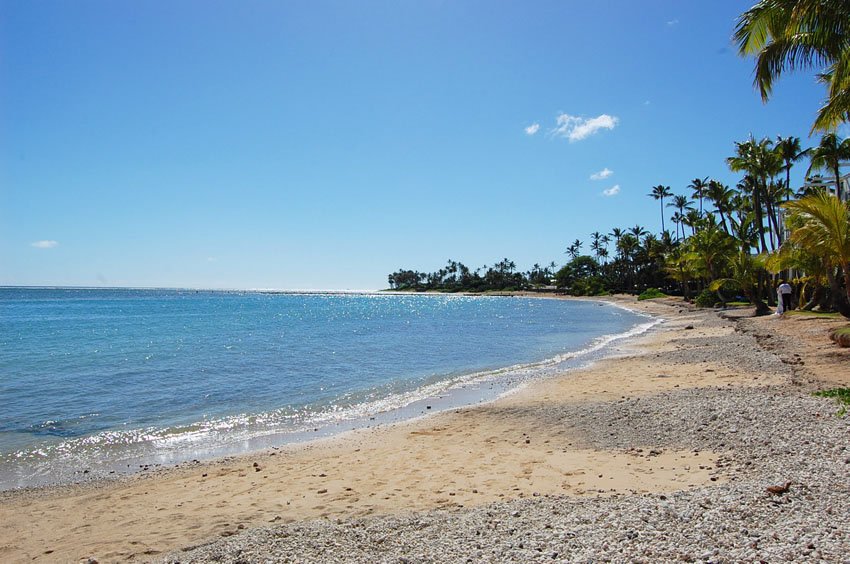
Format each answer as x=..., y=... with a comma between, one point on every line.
x=706, y=410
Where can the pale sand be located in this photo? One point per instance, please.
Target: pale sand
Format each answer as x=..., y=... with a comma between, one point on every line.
x=466, y=457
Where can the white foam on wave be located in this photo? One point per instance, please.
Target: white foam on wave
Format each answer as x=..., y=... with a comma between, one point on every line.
x=222, y=435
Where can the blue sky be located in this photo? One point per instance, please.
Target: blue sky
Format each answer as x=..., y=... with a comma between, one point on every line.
x=326, y=144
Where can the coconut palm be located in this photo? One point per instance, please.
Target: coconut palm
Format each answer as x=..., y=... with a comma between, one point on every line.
x=692, y=219
x=711, y=250
x=659, y=193
x=574, y=249
x=699, y=187
x=760, y=162
x=681, y=203
x=721, y=195
x=789, y=150
x=821, y=225
x=828, y=155
x=617, y=233
x=786, y=35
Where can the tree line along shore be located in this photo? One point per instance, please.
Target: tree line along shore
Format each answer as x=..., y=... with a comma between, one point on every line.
x=721, y=243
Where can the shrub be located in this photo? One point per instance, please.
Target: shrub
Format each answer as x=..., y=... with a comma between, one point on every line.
x=706, y=298
x=589, y=286
x=651, y=293
x=841, y=336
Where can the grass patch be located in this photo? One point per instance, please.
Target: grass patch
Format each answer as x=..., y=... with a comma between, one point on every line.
x=824, y=314
x=841, y=395
x=651, y=293
x=841, y=336
x=738, y=304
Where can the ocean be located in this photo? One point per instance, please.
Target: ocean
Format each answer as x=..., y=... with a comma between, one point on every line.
x=95, y=382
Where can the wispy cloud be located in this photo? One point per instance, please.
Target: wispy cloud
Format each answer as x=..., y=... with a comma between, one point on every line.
x=46, y=244
x=612, y=191
x=602, y=174
x=576, y=128
x=532, y=129
x=671, y=23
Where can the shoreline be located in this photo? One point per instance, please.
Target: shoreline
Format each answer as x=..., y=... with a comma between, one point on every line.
x=453, y=392
x=547, y=440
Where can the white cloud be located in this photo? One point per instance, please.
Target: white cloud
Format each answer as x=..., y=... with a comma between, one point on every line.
x=671, y=23
x=46, y=244
x=602, y=174
x=532, y=129
x=577, y=128
x=612, y=191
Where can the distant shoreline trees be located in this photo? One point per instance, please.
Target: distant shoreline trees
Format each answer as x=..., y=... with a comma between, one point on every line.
x=738, y=241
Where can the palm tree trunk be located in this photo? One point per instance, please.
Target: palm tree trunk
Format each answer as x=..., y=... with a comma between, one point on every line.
x=788, y=183
x=723, y=221
x=759, y=216
x=774, y=225
x=837, y=181
x=845, y=311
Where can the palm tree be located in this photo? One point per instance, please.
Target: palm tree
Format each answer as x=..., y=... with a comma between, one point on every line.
x=788, y=149
x=659, y=193
x=692, y=219
x=616, y=233
x=699, y=186
x=596, y=243
x=681, y=203
x=801, y=34
x=821, y=225
x=574, y=249
x=721, y=195
x=829, y=155
x=760, y=162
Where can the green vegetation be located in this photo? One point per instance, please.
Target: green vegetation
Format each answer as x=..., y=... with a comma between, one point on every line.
x=841, y=395
x=706, y=299
x=841, y=336
x=651, y=294
x=727, y=244
x=819, y=314
x=801, y=34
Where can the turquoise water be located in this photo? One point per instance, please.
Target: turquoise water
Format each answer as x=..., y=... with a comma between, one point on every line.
x=105, y=380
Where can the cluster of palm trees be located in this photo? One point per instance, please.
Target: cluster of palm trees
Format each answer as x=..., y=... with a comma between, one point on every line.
x=735, y=241
x=457, y=277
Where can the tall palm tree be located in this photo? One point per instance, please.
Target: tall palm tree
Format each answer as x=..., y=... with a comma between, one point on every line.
x=692, y=219
x=616, y=233
x=801, y=34
x=699, y=186
x=681, y=203
x=821, y=225
x=596, y=243
x=829, y=155
x=789, y=150
x=659, y=193
x=760, y=162
x=574, y=249
x=721, y=195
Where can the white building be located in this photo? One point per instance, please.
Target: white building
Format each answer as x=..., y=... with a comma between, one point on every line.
x=828, y=182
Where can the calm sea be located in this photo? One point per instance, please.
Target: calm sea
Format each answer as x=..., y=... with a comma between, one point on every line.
x=100, y=381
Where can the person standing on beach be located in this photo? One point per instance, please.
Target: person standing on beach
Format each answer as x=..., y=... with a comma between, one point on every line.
x=784, y=290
